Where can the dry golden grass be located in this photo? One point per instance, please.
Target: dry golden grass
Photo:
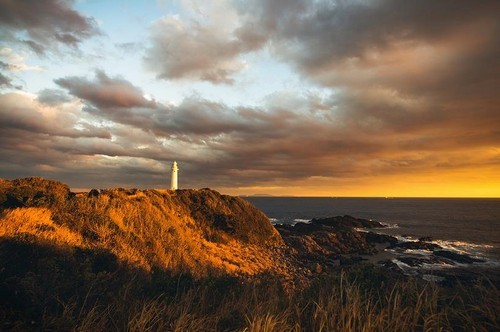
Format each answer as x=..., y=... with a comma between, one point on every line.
x=37, y=222
x=146, y=229
x=343, y=305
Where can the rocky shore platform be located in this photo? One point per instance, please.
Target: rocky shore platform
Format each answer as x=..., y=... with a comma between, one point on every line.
x=326, y=244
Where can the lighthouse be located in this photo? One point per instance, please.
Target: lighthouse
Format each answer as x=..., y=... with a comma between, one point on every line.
x=173, y=182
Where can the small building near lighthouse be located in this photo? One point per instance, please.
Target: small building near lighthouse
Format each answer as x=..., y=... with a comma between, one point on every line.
x=174, y=177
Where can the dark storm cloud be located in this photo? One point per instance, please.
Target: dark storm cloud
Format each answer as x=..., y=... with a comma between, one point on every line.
x=46, y=22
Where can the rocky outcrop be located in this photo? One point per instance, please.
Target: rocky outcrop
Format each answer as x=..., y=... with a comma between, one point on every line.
x=415, y=245
x=459, y=258
x=322, y=240
x=346, y=223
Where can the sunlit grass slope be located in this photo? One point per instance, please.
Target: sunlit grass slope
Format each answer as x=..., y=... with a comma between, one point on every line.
x=200, y=232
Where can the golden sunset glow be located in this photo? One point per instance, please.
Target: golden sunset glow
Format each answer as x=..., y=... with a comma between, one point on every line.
x=463, y=183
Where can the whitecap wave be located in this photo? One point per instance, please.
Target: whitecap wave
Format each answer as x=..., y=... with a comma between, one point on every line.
x=420, y=252
x=302, y=220
x=462, y=247
x=388, y=225
x=401, y=238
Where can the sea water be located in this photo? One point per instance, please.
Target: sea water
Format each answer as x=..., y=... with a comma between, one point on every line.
x=470, y=226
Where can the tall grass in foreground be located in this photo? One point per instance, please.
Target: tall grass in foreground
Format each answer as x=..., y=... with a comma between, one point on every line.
x=336, y=304
x=52, y=288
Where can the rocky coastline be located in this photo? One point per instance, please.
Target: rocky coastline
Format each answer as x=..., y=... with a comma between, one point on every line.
x=326, y=244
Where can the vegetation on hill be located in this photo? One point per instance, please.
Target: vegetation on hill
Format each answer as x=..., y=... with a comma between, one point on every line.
x=200, y=232
x=192, y=260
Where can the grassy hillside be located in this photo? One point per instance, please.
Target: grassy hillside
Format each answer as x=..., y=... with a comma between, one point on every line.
x=199, y=232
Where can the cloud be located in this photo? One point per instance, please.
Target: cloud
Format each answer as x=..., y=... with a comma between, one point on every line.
x=46, y=23
x=57, y=139
x=204, y=46
x=105, y=91
x=119, y=100
x=191, y=51
x=349, y=133
x=12, y=63
x=22, y=114
x=406, y=89
x=53, y=97
x=6, y=82
x=129, y=47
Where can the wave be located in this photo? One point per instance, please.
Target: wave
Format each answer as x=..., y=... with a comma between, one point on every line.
x=388, y=225
x=462, y=247
x=302, y=220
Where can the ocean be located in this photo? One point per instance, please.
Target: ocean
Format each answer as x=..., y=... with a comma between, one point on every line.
x=464, y=225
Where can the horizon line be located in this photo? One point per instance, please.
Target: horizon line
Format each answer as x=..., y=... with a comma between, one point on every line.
x=382, y=197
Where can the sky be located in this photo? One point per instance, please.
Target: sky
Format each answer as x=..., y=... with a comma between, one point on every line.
x=279, y=97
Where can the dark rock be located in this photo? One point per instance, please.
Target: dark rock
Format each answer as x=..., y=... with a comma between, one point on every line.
x=415, y=261
x=416, y=245
x=306, y=247
x=380, y=238
x=425, y=239
x=389, y=264
x=412, y=261
x=323, y=240
x=459, y=258
x=342, y=222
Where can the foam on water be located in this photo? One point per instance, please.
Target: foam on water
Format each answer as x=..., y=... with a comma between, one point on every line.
x=388, y=225
x=301, y=220
x=273, y=220
x=473, y=249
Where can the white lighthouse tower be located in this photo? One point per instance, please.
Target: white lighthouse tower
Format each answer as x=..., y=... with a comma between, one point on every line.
x=173, y=182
